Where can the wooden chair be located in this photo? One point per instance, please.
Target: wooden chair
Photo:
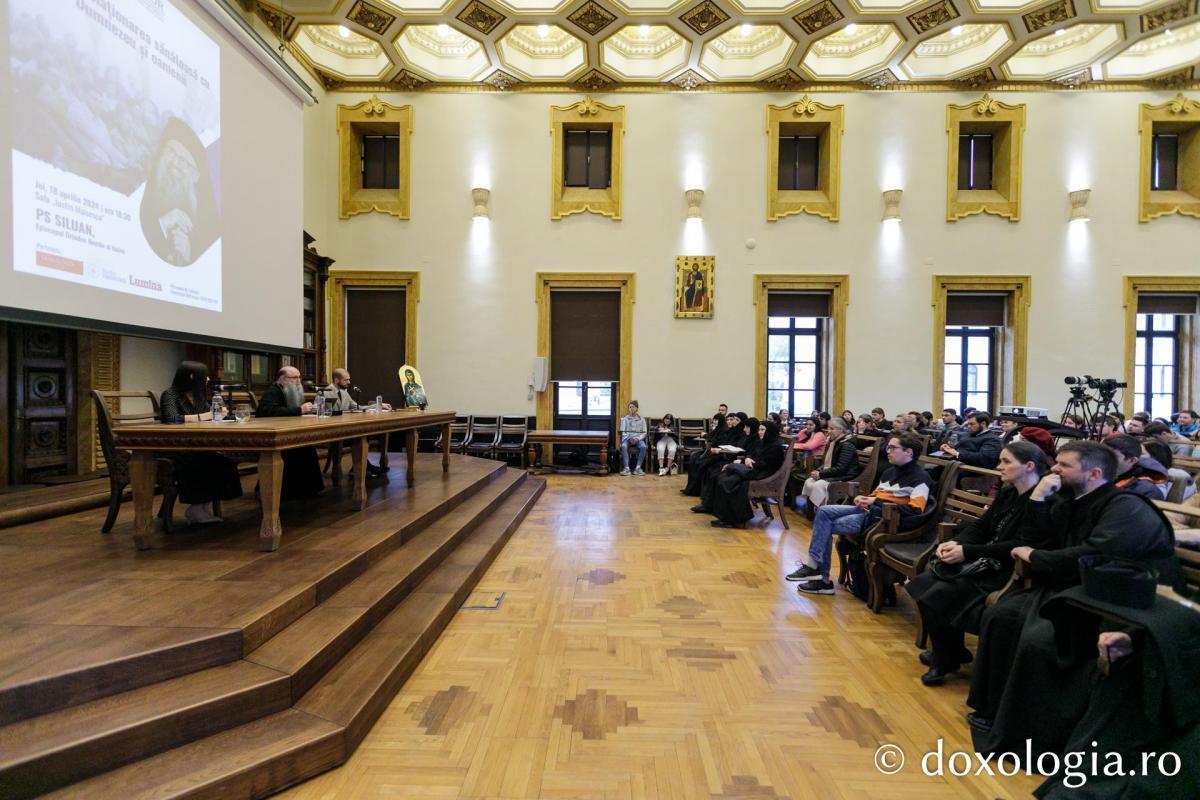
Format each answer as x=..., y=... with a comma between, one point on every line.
x=841, y=492
x=460, y=431
x=773, y=489
x=690, y=429
x=117, y=460
x=892, y=554
x=427, y=439
x=979, y=480
x=485, y=432
x=1178, y=486
x=513, y=438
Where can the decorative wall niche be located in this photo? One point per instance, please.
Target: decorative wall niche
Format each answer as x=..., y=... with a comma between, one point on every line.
x=806, y=117
x=1179, y=116
x=1006, y=125
x=586, y=114
x=372, y=116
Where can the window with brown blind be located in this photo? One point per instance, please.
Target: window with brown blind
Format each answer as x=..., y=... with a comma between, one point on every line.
x=1164, y=162
x=380, y=161
x=587, y=158
x=973, y=322
x=796, y=324
x=799, y=163
x=974, y=161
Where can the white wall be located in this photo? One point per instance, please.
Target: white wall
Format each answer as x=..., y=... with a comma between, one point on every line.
x=477, y=314
x=148, y=364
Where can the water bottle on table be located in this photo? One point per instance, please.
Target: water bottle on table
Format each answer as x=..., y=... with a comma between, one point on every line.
x=319, y=404
x=379, y=402
x=218, y=407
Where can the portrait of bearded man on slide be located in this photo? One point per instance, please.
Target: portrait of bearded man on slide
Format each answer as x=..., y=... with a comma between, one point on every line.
x=179, y=208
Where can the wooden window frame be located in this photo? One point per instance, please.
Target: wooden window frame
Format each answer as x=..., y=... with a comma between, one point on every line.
x=1011, y=352
x=833, y=341
x=966, y=332
x=586, y=114
x=342, y=279
x=1178, y=334
x=1006, y=124
x=792, y=331
x=372, y=116
x=1187, y=374
x=1180, y=115
x=809, y=118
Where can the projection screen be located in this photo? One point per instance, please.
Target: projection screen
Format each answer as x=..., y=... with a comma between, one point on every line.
x=150, y=176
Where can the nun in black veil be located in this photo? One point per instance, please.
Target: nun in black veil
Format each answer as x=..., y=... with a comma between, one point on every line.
x=731, y=497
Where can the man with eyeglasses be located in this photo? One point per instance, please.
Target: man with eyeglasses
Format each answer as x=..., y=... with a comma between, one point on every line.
x=905, y=484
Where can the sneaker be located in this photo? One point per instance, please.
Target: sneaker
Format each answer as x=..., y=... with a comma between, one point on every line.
x=199, y=515
x=639, y=471
x=674, y=470
x=626, y=472
x=804, y=573
x=817, y=586
x=662, y=471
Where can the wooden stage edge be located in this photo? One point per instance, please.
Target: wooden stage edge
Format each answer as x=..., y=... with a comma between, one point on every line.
x=204, y=667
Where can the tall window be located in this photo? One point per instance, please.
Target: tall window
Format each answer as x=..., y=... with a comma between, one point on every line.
x=975, y=161
x=586, y=158
x=794, y=364
x=584, y=399
x=969, y=371
x=1164, y=162
x=799, y=162
x=1155, y=384
x=380, y=161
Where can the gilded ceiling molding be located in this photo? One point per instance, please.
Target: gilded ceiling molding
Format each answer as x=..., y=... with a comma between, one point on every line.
x=590, y=115
x=806, y=117
x=822, y=15
x=592, y=17
x=481, y=17
x=932, y=16
x=371, y=17
x=372, y=116
x=1048, y=16
x=1164, y=16
x=1179, y=115
x=1006, y=124
x=704, y=17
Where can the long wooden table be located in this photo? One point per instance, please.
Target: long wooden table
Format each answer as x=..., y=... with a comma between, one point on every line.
x=538, y=438
x=268, y=437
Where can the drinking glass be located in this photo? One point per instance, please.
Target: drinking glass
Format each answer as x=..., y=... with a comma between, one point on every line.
x=242, y=412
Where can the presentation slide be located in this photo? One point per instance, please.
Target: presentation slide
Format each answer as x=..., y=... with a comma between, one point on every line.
x=116, y=148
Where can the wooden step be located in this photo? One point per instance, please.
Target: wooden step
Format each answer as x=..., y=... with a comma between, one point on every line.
x=265, y=756
x=52, y=750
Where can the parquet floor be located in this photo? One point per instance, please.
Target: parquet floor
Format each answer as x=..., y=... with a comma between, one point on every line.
x=638, y=652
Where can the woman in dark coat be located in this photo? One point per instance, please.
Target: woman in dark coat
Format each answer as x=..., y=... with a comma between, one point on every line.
x=202, y=477
x=731, y=498
x=950, y=607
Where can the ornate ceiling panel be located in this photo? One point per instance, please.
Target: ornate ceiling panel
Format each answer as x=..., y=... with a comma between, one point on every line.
x=769, y=45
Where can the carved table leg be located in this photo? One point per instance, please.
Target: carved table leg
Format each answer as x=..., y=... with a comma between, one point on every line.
x=383, y=452
x=142, y=472
x=270, y=487
x=358, y=453
x=604, y=459
x=532, y=463
x=445, y=447
x=410, y=447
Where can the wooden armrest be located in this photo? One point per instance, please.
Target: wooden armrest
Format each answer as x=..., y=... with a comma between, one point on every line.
x=945, y=531
x=1021, y=578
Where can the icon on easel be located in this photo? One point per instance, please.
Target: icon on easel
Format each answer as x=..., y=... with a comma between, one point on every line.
x=414, y=390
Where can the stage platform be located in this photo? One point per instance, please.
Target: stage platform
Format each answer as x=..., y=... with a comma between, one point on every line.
x=205, y=668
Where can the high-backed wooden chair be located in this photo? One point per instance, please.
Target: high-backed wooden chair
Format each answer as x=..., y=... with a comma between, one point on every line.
x=109, y=416
x=892, y=555
x=841, y=492
x=460, y=430
x=690, y=429
x=773, y=489
x=481, y=441
x=513, y=438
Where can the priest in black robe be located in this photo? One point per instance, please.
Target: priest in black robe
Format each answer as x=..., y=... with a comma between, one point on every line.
x=301, y=468
x=1020, y=688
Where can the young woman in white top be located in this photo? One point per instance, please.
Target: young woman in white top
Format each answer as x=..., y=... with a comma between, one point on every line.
x=666, y=445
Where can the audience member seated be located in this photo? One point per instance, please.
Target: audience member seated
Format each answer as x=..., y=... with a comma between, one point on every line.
x=731, y=493
x=904, y=484
x=901, y=425
x=633, y=434
x=202, y=477
x=1187, y=425
x=1110, y=425
x=848, y=418
x=666, y=445
x=1019, y=689
x=1136, y=471
x=977, y=561
x=811, y=440
x=980, y=447
x=1180, y=445
x=839, y=463
x=1136, y=426
x=879, y=417
x=785, y=422
x=1009, y=430
x=301, y=469
x=864, y=427
x=1163, y=455
x=743, y=435
x=1074, y=421
x=948, y=429
x=711, y=442
x=1042, y=439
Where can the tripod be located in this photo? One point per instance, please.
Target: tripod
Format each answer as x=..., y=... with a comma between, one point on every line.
x=1080, y=404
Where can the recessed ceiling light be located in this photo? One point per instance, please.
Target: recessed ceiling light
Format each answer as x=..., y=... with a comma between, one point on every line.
x=543, y=31
x=644, y=30
x=1059, y=32
x=746, y=29
x=851, y=28
x=443, y=29
x=956, y=30
x=343, y=32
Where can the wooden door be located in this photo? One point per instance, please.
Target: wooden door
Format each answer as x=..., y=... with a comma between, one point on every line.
x=41, y=403
x=375, y=346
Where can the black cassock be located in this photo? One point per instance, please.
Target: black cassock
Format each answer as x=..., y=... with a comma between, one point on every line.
x=301, y=467
x=702, y=461
x=731, y=489
x=202, y=477
x=1020, y=679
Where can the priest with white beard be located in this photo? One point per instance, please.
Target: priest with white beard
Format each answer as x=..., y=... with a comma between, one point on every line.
x=301, y=468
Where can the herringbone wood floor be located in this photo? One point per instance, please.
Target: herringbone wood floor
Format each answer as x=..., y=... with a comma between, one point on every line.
x=638, y=652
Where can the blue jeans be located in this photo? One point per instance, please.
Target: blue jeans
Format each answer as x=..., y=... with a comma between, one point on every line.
x=830, y=520
x=641, y=453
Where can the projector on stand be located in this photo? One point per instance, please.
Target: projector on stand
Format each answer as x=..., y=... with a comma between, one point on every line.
x=1029, y=412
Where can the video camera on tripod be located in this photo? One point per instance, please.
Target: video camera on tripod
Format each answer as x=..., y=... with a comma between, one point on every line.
x=1093, y=408
x=1100, y=384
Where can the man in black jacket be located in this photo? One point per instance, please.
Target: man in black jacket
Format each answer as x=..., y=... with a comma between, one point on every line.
x=1075, y=511
x=301, y=468
x=980, y=447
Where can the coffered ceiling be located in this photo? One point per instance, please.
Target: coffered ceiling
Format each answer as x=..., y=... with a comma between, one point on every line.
x=711, y=44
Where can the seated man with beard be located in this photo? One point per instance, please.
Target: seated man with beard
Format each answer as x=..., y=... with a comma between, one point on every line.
x=301, y=469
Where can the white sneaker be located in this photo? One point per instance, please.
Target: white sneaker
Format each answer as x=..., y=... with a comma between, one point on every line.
x=639, y=471
x=198, y=514
x=662, y=472
x=626, y=472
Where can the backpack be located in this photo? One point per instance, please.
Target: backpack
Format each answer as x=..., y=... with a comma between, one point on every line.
x=856, y=568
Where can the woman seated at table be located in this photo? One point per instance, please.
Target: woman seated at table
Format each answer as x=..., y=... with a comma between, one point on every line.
x=666, y=445
x=762, y=459
x=951, y=605
x=201, y=477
